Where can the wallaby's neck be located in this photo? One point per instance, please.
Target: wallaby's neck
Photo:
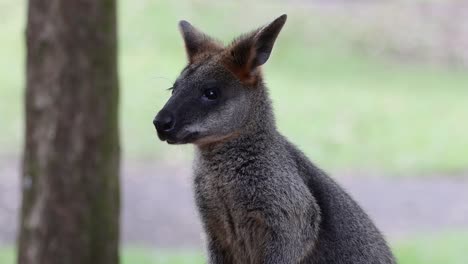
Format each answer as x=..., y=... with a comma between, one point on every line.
x=258, y=132
x=261, y=118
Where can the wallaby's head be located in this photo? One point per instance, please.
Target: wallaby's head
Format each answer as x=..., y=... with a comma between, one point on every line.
x=216, y=92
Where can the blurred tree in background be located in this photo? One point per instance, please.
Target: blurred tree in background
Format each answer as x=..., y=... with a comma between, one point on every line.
x=70, y=204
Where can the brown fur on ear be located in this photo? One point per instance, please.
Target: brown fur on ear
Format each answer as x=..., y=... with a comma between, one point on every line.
x=238, y=58
x=197, y=44
x=245, y=54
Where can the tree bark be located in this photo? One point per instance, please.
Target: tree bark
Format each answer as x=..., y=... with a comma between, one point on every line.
x=70, y=179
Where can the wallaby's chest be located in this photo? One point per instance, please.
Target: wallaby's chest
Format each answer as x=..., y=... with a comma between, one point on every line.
x=220, y=197
x=216, y=198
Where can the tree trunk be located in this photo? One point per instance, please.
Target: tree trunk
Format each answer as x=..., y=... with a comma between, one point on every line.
x=70, y=181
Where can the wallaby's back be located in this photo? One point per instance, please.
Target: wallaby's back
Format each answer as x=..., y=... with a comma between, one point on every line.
x=346, y=234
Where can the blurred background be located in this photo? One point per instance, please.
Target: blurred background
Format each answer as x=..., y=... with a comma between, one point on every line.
x=373, y=91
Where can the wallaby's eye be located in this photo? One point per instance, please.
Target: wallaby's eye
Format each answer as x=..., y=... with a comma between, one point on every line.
x=210, y=94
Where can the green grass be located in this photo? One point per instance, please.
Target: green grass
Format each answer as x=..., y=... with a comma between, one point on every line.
x=346, y=110
x=146, y=256
x=447, y=248
x=132, y=256
x=7, y=255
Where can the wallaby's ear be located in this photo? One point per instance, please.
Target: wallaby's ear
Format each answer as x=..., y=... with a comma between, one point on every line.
x=196, y=42
x=253, y=50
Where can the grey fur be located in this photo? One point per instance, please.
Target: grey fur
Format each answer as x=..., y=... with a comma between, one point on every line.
x=260, y=199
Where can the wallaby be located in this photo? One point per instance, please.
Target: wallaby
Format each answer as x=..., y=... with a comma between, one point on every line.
x=260, y=199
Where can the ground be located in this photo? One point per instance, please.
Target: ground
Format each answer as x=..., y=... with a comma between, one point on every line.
x=158, y=205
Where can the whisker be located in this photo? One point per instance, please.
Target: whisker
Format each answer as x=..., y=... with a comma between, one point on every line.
x=161, y=77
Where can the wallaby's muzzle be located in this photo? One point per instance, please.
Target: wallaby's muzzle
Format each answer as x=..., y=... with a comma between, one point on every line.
x=165, y=124
x=164, y=121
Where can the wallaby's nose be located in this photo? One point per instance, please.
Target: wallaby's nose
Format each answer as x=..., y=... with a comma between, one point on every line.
x=163, y=121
